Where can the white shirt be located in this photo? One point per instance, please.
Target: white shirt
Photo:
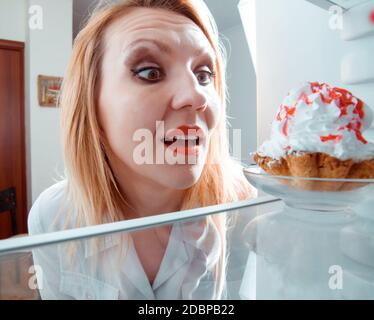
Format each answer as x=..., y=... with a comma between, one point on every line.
x=186, y=270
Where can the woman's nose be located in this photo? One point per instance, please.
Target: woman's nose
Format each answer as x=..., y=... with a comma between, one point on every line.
x=188, y=92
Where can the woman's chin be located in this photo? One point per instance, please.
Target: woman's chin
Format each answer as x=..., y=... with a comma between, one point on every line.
x=181, y=177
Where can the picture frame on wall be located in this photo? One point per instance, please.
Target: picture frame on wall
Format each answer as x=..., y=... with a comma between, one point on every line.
x=49, y=90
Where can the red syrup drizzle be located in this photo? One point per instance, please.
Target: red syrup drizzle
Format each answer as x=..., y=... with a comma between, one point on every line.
x=371, y=17
x=290, y=111
x=343, y=99
x=332, y=137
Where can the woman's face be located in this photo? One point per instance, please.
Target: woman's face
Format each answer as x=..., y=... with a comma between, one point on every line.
x=156, y=76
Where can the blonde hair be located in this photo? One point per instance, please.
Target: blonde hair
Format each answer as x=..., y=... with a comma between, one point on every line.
x=92, y=186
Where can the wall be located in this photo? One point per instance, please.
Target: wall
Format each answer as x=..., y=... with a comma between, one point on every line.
x=13, y=26
x=48, y=53
x=241, y=80
x=13, y=20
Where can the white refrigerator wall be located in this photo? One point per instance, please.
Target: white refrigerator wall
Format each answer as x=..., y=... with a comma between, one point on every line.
x=241, y=81
x=295, y=43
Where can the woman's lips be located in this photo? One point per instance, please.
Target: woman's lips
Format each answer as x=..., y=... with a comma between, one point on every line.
x=185, y=130
x=186, y=140
x=184, y=147
x=187, y=150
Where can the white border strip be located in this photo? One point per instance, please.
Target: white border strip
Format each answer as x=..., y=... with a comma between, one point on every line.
x=29, y=242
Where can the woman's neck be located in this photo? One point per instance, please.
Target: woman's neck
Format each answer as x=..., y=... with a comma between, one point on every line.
x=147, y=198
x=144, y=196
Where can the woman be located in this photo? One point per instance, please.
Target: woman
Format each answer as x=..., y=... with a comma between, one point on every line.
x=151, y=69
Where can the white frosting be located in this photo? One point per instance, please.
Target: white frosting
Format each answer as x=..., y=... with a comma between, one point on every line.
x=318, y=124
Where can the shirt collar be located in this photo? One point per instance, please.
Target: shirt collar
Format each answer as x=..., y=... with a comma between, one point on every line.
x=103, y=243
x=185, y=239
x=175, y=257
x=200, y=234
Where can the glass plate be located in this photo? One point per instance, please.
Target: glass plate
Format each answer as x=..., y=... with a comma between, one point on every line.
x=312, y=193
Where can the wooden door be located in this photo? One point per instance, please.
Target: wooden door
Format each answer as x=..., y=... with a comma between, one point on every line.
x=12, y=134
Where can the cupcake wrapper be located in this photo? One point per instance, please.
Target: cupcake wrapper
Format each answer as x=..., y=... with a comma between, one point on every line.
x=362, y=170
x=318, y=165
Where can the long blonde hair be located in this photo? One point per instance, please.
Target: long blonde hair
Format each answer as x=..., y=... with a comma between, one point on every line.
x=92, y=186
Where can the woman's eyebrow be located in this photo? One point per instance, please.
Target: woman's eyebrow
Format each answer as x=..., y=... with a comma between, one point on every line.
x=163, y=47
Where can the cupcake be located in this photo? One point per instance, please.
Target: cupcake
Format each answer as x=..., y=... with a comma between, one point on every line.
x=318, y=133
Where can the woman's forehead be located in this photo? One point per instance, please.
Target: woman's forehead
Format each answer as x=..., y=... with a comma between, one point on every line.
x=158, y=24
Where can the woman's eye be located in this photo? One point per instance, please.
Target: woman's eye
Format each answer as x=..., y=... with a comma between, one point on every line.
x=205, y=77
x=152, y=74
x=149, y=74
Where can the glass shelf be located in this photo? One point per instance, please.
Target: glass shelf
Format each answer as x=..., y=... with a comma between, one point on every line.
x=273, y=251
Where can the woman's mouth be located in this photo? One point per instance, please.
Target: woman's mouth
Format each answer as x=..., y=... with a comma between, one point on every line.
x=187, y=145
x=184, y=140
x=187, y=140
